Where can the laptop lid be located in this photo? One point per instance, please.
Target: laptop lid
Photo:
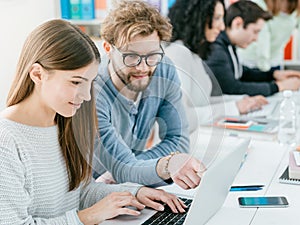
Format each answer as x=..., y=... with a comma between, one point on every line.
x=211, y=193
x=215, y=185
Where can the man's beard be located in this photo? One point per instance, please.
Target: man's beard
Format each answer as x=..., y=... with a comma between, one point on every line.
x=136, y=85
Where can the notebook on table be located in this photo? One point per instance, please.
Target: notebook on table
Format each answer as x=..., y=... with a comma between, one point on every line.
x=291, y=175
x=285, y=178
x=208, y=199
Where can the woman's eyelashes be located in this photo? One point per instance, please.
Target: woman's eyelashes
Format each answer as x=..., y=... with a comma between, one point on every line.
x=76, y=82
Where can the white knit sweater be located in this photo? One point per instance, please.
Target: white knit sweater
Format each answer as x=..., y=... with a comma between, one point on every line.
x=34, y=181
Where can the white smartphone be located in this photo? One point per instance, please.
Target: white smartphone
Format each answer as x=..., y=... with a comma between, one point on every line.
x=233, y=122
x=270, y=201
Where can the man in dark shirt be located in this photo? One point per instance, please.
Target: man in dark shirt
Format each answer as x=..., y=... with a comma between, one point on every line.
x=244, y=20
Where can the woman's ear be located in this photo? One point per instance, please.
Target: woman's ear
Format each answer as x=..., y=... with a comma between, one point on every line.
x=36, y=73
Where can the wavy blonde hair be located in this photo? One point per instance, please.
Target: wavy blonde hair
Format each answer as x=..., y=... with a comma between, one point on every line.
x=132, y=18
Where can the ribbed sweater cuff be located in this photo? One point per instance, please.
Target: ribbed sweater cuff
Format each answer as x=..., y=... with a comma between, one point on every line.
x=73, y=218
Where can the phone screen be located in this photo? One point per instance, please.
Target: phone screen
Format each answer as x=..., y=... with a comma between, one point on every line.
x=236, y=121
x=263, y=201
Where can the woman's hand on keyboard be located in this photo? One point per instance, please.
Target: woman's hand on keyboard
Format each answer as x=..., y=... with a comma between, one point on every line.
x=154, y=197
x=114, y=204
x=249, y=104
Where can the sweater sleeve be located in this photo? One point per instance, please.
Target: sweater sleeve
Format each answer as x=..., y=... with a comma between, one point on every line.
x=15, y=193
x=256, y=75
x=94, y=192
x=117, y=157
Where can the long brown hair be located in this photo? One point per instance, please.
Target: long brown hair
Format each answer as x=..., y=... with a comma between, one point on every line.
x=59, y=45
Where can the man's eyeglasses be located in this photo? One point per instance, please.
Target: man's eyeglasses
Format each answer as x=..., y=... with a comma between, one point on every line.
x=133, y=59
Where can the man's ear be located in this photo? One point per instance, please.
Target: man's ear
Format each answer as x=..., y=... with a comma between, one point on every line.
x=36, y=73
x=237, y=22
x=107, y=47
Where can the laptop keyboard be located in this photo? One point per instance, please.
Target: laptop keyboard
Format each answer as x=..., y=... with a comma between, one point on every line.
x=168, y=217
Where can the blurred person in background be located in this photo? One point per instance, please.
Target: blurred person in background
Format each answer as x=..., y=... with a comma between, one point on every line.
x=244, y=20
x=267, y=53
x=196, y=24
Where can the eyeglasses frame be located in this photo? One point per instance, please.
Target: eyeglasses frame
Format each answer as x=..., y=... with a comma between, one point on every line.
x=124, y=55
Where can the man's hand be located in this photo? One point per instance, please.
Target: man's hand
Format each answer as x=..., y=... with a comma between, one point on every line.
x=185, y=170
x=285, y=74
x=292, y=83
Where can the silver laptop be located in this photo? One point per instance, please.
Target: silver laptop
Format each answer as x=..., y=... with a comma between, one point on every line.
x=209, y=196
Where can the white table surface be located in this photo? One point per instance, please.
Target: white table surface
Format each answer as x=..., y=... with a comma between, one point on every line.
x=264, y=164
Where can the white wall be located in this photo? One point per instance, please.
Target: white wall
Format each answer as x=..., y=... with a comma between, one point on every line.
x=18, y=18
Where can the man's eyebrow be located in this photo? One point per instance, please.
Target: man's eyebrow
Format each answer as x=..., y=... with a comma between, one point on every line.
x=83, y=78
x=136, y=51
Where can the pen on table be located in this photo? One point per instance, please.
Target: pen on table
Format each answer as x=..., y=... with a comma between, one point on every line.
x=246, y=188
